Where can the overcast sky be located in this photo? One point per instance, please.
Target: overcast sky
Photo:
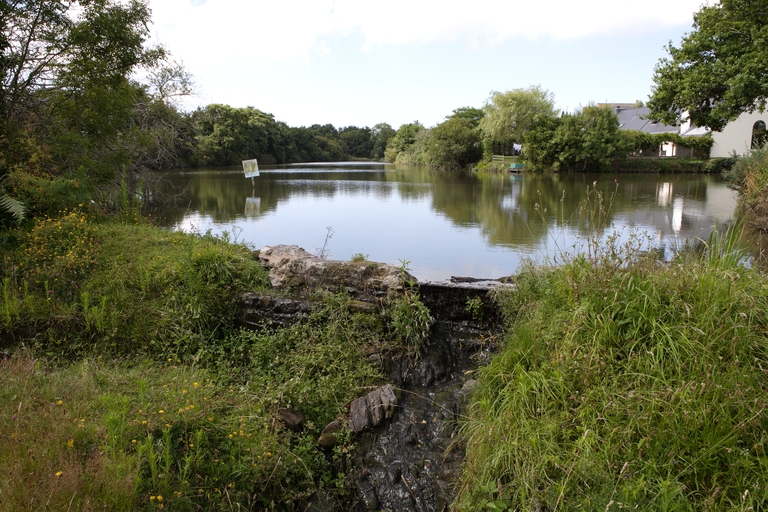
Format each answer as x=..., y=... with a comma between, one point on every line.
x=362, y=62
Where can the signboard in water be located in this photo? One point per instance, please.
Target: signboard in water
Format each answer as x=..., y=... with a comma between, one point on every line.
x=251, y=168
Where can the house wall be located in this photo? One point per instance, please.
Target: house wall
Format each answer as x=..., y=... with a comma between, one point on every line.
x=737, y=135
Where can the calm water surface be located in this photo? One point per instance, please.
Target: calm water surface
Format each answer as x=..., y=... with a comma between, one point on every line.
x=445, y=224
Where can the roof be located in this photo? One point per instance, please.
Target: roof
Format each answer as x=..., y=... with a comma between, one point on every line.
x=637, y=119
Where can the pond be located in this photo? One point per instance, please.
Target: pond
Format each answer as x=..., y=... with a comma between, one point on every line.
x=443, y=224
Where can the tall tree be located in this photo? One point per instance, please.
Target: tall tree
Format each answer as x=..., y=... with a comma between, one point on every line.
x=585, y=140
x=454, y=144
x=380, y=135
x=471, y=114
x=720, y=69
x=509, y=115
x=358, y=141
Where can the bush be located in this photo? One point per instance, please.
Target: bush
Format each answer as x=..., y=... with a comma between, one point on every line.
x=122, y=288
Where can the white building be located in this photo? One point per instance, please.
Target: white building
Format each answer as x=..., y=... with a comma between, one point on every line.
x=740, y=135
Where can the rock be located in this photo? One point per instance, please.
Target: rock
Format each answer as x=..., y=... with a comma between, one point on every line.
x=327, y=438
x=294, y=268
x=259, y=310
x=290, y=418
x=370, y=410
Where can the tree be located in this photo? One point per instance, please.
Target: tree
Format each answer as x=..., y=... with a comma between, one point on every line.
x=380, y=135
x=586, y=140
x=720, y=69
x=402, y=140
x=454, y=144
x=358, y=141
x=509, y=115
x=68, y=100
x=471, y=114
x=228, y=135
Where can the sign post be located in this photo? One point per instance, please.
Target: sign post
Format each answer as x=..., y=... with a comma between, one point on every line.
x=251, y=169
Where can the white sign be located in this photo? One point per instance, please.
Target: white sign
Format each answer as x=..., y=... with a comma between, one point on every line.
x=251, y=168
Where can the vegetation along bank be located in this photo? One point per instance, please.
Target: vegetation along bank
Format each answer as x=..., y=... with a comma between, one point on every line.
x=620, y=381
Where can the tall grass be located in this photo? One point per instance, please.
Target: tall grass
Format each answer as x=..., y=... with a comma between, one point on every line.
x=625, y=383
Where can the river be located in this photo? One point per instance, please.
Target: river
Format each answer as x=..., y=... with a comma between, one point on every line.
x=443, y=224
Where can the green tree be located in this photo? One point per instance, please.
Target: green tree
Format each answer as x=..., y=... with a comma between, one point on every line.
x=402, y=140
x=358, y=141
x=509, y=115
x=380, y=135
x=471, y=114
x=67, y=97
x=589, y=139
x=720, y=69
x=454, y=144
x=228, y=135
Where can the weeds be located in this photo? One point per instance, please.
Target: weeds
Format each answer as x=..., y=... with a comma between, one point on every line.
x=410, y=320
x=325, y=252
x=625, y=383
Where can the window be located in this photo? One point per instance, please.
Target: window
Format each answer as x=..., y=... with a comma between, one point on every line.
x=759, y=134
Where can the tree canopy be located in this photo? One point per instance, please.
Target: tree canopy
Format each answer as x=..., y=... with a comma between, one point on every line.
x=589, y=139
x=509, y=115
x=720, y=69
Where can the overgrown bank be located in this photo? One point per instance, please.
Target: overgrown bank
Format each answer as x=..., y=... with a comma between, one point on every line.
x=125, y=383
x=625, y=384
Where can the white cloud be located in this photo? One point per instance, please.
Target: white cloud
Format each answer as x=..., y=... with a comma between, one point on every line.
x=223, y=29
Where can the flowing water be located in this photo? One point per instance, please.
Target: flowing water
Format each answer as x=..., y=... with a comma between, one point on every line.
x=444, y=224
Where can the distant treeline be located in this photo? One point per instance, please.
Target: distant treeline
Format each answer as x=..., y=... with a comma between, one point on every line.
x=224, y=135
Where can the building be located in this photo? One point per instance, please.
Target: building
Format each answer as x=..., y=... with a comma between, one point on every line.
x=739, y=136
x=746, y=132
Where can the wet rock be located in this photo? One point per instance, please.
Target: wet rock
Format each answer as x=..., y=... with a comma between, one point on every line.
x=291, y=419
x=259, y=310
x=294, y=268
x=327, y=438
x=370, y=410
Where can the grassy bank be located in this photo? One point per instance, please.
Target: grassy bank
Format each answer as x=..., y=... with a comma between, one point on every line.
x=124, y=383
x=625, y=383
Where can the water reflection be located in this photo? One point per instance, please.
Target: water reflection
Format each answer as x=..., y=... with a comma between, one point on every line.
x=444, y=223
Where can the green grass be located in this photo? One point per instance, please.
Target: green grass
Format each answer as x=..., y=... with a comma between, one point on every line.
x=633, y=386
x=74, y=285
x=126, y=386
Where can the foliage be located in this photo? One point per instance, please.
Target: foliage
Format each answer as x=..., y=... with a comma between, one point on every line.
x=380, y=135
x=453, y=144
x=648, y=144
x=169, y=294
x=470, y=114
x=588, y=139
x=720, y=69
x=625, y=381
x=410, y=320
x=67, y=85
x=358, y=142
x=668, y=165
x=509, y=115
x=227, y=136
x=147, y=437
x=750, y=175
x=176, y=403
x=403, y=139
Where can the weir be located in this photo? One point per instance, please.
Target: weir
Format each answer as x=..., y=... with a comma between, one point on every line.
x=407, y=459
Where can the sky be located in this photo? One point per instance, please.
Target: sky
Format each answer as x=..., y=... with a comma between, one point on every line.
x=363, y=62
